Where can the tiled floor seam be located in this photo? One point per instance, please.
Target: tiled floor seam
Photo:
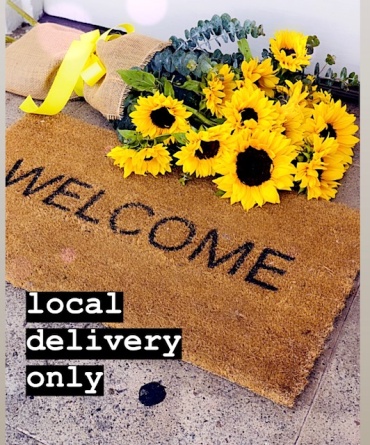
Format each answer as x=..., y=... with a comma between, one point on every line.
x=339, y=328
x=28, y=435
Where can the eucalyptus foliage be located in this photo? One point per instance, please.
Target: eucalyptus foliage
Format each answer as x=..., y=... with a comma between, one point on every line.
x=194, y=55
x=188, y=59
x=344, y=79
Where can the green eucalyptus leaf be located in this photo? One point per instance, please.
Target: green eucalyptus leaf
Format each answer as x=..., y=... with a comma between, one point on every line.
x=217, y=41
x=225, y=36
x=216, y=24
x=330, y=60
x=205, y=66
x=217, y=54
x=329, y=73
x=255, y=30
x=313, y=41
x=265, y=54
x=139, y=80
x=157, y=62
x=231, y=31
x=247, y=26
x=208, y=44
x=194, y=33
x=191, y=45
x=190, y=61
x=260, y=31
x=226, y=59
x=226, y=19
x=343, y=73
x=168, y=62
x=241, y=34
x=206, y=30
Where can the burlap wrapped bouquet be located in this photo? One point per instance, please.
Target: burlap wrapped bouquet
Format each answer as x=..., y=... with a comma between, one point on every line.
x=32, y=63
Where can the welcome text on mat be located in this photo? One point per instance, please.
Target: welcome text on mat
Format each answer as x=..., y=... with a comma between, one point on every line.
x=65, y=187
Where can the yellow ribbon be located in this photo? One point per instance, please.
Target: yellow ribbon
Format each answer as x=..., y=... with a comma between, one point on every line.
x=80, y=65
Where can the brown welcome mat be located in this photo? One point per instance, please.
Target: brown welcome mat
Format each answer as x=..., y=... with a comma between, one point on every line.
x=255, y=293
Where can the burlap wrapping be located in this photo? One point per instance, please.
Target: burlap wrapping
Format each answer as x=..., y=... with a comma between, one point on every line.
x=32, y=62
x=123, y=53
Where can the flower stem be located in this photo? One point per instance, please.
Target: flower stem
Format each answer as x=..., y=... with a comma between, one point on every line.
x=201, y=117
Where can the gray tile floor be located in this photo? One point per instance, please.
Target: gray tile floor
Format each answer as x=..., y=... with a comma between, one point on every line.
x=200, y=408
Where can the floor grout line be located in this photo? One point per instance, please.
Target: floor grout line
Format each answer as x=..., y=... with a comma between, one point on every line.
x=353, y=295
x=27, y=434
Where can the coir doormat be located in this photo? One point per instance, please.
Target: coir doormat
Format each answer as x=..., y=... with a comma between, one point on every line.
x=255, y=293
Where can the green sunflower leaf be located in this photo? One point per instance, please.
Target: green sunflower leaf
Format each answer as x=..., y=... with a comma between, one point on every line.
x=139, y=80
x=180, y=138
x=168, y=88
x=244, y=48
x=130, y=136
x=219, y=193
x=161, y=139
x=192, y=85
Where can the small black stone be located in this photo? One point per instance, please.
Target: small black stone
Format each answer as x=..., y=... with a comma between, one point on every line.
x=152, y=393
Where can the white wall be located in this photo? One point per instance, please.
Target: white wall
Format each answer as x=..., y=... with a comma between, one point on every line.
x=13, y=20
x=335, y=22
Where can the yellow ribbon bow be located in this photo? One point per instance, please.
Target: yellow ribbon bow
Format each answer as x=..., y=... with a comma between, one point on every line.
x=79, y=65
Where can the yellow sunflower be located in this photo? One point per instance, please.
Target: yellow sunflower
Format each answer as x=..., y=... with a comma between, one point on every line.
x=152, y=160
x=290, y=122
x=160, y=115
x=259, y=166
x=122, y=157
x=260, y=73
x=219, y=89
x=289, y=49
x=332, y=120
x=250, y=108
x=319, y=176
x=203, y=150
x=317, y=97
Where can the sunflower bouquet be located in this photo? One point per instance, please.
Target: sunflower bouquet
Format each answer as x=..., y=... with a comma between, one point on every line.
x=254, y=125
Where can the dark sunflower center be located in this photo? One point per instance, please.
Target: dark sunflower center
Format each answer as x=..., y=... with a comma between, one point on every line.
x=328, y=132
x=210, y=149
x=162, y=118
x=289, y=51
x=249, y=113
x=253, y=166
